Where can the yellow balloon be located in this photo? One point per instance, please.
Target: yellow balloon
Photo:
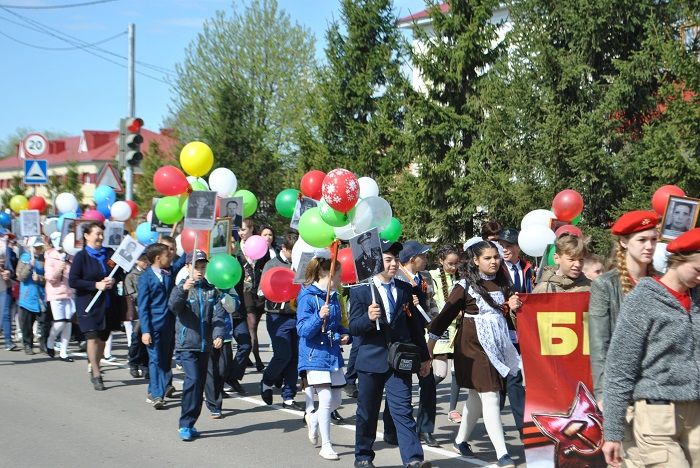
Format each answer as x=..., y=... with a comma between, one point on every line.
x=196, y=158
x=19, y=203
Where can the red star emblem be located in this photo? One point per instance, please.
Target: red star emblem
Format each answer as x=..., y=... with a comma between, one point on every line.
x=578, y=435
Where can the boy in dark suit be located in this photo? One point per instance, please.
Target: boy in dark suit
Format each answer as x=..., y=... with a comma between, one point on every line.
x=157, y=322
x=391, y=305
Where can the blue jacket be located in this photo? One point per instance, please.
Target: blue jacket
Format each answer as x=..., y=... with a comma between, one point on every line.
x=200, y=316
x=373, y=352
x=31, y=293
x=317, y=350
x=153, y=295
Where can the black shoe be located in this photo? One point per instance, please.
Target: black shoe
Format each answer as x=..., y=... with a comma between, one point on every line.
x=237, y=387
x=97, y=383
x=336, y=418
x=419, y=464
x=158, y=403
x=364, y=464
x=391, y=439
x=169, y=391
x=134, y=371
x=464, y=449
x=42, y=348
x=260, y=366
x=428, y=439
x=66, y=359
x=351, y=390
x=28, y=350
x=265, y=394
x=279, y=383
x=51, y=353
x=294, y=406
x=225, y=395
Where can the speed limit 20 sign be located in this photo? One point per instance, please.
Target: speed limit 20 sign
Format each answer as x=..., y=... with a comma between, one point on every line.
x=35, y=144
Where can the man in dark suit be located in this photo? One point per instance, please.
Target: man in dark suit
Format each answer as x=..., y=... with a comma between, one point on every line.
x=233, y=213
x=367, y=262
x=389, y=303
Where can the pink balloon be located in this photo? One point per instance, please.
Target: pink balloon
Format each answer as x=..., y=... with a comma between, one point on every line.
x=255, y=247
x=94, y=215
x=569, y=229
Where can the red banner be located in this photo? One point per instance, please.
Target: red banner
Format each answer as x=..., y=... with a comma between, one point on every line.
x=563, y=425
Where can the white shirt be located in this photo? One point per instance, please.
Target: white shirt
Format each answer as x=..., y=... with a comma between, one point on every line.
x=382, y=294
x=158, y=272
x=512, y=273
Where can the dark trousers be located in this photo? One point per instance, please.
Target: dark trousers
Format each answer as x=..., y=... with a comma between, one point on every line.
x=350, y=372
x=138, y=353
x=398, y=400
x=26, y=323
x=45, y=324
x=217, y=370
x=6, y=310
x=516, y=397
x=285, y=353
x=160, y=357
x=195, y=366
x=242, y=337
x=427, y=408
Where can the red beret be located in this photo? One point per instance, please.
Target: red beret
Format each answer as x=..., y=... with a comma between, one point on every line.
x=686, y=242
x=635, y=221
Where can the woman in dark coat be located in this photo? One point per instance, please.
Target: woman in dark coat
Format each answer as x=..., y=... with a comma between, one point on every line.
x=89, y=274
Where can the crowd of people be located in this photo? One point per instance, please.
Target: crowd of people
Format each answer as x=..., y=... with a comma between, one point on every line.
x=460, y=317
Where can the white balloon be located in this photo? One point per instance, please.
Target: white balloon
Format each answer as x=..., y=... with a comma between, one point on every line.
x=149, y=216
x=301, y=247
x=69, y=244
x=534, y=239
x=66, y=203
x=368, y=187
x=370, y=213
x=178, y=245
x=193, y=179
x=537, y=218
x=223, y=181
x=120, y=211
x=50, y=226
x=661, y=257
x=345, y=232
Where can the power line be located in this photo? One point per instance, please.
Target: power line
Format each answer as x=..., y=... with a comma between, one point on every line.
x=59, y=48
x=51, y=7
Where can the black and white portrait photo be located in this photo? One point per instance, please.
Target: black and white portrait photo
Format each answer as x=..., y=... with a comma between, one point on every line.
x=220, y=238
x=114, y=232
x=29, y=223
x=127, y=253
x=367, y=252
x=232, y=208
x=302, y=205
x=68, y=226
x=201, y=207
x=156, y=224
x=78, y=228
x=681, y=215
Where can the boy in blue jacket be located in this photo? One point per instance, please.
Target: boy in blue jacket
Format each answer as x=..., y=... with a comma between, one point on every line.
x=200, y=324
x=157, y=322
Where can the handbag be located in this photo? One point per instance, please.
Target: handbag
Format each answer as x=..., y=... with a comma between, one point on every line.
x=404, y=357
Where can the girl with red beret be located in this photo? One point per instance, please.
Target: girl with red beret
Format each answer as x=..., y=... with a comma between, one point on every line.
x=654, y=364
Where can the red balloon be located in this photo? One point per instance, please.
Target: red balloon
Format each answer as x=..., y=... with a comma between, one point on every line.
x=341, y=190
x=348, y=275
x=312, y=184
x=277, y=286
x=134, y=208
x=569, y=229
x=567, y=204
x=37, y=203
x=187, y=239
x=170, y=181
x=660, y=198
x=94, y=215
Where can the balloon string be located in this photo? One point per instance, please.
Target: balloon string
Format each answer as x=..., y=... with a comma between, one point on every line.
x=334, y=258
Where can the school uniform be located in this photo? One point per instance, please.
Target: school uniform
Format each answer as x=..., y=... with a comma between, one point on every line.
x=372, y=365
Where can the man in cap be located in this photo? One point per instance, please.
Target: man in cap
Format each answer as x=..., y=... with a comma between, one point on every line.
x=368, y=261
x=382, y=313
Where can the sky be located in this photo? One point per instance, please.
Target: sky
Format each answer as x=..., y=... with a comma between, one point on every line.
x=69, y=91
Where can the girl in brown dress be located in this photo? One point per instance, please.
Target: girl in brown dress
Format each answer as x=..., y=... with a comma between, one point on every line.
x=483, y=354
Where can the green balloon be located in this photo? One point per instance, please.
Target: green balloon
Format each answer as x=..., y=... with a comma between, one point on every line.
x=576, y=220
x=168, y=210
x=393, y=231
x=333, y=217
x=550, y=255
x=286, y=201
x=250, y=202
x=183, y=207
x=314, y=230
x=198, y=186
x=223, y=271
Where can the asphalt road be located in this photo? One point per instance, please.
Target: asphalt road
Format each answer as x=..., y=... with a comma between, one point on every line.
x=51, y=417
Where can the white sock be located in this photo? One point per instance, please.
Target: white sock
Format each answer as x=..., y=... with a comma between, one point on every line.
x=470, y=415
x=108, y=346
x=309, y=398
x=65, y=338
x=129, y=329
x=324, y=415
x=491, y=403
x=55, y=331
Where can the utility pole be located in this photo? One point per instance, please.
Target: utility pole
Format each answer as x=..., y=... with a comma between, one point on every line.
x=128, y=169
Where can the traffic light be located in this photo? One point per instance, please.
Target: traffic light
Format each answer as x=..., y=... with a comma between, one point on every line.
x=130, y=140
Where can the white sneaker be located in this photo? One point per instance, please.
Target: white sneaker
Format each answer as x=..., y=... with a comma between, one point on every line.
x=312, y=423
x=89, y=368
x=328, y=453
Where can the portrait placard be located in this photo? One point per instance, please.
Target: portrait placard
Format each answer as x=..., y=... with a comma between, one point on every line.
x=201, y=210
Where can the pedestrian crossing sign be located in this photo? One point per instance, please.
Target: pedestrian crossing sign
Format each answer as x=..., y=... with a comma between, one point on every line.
x=36, y=171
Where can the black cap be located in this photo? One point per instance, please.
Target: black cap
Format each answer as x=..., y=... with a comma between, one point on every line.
x=365, y=236
x=197, y=254
x=509, y=235
x=412, y=249
x=391, y=247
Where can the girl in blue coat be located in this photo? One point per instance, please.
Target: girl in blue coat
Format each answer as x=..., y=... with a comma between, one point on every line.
x=320, y=337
